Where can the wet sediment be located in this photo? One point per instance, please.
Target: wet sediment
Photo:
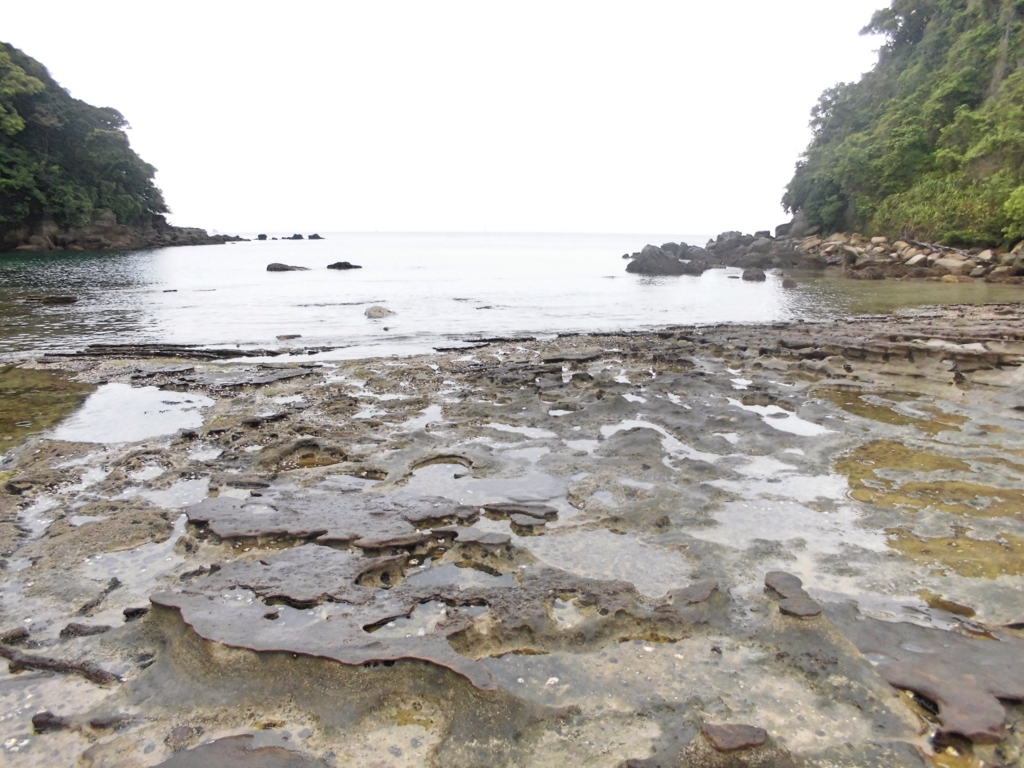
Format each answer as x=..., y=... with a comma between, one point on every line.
x=785, y=545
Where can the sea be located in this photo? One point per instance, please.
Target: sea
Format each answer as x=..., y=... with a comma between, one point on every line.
x=444, y=290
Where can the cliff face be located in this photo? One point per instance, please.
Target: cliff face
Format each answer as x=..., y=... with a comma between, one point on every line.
x=68, y=176
x=930, y=143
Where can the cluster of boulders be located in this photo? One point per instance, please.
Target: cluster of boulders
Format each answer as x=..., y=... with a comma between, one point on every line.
x=858, y=257
x=278, y=267
x=105, y=234
x=296, y=236
x=877, y=258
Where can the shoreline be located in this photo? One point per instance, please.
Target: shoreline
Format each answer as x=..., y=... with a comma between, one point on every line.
x=597, y=510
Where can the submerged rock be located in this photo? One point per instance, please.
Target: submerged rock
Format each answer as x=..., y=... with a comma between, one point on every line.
x=378, y=312
x=754, y=275
x=278, y=267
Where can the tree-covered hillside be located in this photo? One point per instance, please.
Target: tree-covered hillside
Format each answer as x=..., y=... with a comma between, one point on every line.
x=62, y=159
x=930, y=143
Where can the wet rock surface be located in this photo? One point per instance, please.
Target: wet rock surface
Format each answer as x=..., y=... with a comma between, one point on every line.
x=585, y=550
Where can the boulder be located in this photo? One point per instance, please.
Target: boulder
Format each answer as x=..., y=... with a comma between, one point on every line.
x=261, y=237
x=278, y=267
x=342, y=265
x=377, y=312
x=801, y=226
x=949, y=264
x=314, y=236
x=654, y=261
x=754, y=275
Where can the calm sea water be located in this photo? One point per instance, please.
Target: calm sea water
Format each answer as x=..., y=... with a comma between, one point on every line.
x=443, y=288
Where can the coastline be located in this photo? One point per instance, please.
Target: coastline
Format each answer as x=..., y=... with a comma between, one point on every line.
x=589, y=498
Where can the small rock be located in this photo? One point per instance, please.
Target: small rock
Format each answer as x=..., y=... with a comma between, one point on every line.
x=84, y=630
x=14, y=636
x=18, y=487
x=47, y=721
x=731, y=738
x=788, y=282
x=754, y=275
x=261, y=237
x=131, y=614
x=342, y=264
x=278, y=267
x=378, y=312
x=314, y=236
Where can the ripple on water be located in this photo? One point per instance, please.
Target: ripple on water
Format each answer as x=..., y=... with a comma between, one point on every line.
x=120, y=413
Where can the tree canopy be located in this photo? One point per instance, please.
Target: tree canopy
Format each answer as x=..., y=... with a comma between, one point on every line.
x=62, y=159
x=930, y=142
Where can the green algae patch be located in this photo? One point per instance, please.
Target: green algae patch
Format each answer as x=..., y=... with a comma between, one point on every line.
x=855, y=404
x=861, y=463
x=955, y=496
x=33, y=400
x=941, y=603
x=971, y=558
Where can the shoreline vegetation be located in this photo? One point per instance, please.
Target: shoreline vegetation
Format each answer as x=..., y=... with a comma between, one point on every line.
x=69, y=179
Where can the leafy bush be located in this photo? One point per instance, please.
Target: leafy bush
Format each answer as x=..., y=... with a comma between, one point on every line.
x=930, y=143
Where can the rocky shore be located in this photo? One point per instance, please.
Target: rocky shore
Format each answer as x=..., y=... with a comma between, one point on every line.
x=105, y=234
x=856, y=257
x=787, y=545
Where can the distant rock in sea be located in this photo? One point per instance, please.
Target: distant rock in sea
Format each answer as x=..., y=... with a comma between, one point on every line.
x=278, y=267
x=315, y=236
x=342, y=265
x=377, y=312
x=296, y=236
x=261, y=237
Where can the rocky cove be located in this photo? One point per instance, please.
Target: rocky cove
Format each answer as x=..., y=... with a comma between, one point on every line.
x=788, y=544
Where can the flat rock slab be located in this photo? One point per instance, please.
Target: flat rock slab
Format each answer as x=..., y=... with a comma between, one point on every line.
x=583, y=357
x=264, y=606
x=786, y=584
x=255, y=378
x=538, y=511
x=370, y=521
x=476, y=536
x=801, y=606
x=964, y=676
x=698, y=592
x=237, y=752
x=732, y=738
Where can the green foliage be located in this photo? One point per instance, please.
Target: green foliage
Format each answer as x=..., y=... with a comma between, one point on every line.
x=1014, y=209
x=62, y=159
x=930, y=143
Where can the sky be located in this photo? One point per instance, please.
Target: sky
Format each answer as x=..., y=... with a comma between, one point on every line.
x=451, y=115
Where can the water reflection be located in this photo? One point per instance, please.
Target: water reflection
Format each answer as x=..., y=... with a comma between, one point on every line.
x=441, y=287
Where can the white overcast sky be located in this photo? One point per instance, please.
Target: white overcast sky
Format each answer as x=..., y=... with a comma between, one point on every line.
x=554, y=116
